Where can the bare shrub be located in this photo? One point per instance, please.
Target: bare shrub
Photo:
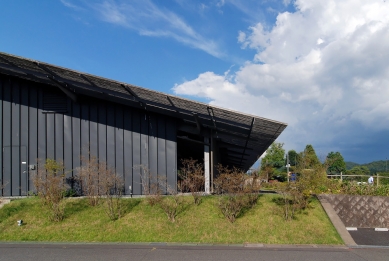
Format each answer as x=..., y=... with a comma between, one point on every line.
x=153, y=187
x=99, y=180
x=89, y=178
x=192, y=179
x=173, y=204
x=2, y=186
x=111, y=187
x=49, y=182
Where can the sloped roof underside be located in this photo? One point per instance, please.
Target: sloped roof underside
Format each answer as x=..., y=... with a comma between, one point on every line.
x=242, y=138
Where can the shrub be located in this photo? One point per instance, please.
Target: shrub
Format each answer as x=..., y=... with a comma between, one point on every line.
x=192, y=179
x=49, y=182
x=237, y=192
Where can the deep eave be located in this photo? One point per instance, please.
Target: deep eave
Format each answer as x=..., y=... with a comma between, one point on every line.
x=242, y=138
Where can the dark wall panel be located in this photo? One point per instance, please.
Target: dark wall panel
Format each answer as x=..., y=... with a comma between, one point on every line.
x=15, y=137
x=111, y=151
x=128, y=151
x=76, y=136
x=136, y=154
x=68, y=144
x=50, y=136
x=85, y=131
x=171, y=154
x=93, y=130
x=144, y=142
x=33, y=132
x=162, y=147
x=7, y=168
x=102, y=132
x=41, y=127
x=24, y=135
x=59, y=138
x=153, y=145
x=1, y=135
x=124, y=137
x=119, y=152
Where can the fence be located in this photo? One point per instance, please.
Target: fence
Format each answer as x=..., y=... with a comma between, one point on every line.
x=341, y=175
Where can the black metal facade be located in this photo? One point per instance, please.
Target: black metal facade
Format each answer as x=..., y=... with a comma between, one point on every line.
x=38, y=122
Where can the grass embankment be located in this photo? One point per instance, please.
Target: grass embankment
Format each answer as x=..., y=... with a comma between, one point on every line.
x=143, y=223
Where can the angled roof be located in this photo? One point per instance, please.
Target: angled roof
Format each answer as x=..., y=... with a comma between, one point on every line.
x=241, y=137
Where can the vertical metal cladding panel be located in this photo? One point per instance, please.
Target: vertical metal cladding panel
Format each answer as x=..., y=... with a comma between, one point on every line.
x=102, y=132
x=67, y=140
x=171, y=153
x=59, y=132
x=7, y=170
x=33, y=131
x=15, y=136
x=111, y=135
x=144, y=140
x=24, y=134
x=153, y=145
x=76, y=136
x=136, y=153
x=50, y=135
x=85, y=131
x=93, y=130
x=41, y=127
x=119, y=152
x=1, y=134
x=23, y=170
x=128, y=151
x=162, y=147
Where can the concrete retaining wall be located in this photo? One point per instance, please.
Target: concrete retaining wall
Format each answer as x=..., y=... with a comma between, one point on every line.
x=360, y=211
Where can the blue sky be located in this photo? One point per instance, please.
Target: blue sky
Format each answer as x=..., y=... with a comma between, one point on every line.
x=322, y=66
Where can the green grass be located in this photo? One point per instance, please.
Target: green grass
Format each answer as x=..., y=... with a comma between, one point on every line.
x=143, y=223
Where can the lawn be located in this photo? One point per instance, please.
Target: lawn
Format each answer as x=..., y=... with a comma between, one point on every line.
x=143, y=223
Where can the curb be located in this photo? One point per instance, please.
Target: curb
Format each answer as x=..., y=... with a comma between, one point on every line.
x=338, y=224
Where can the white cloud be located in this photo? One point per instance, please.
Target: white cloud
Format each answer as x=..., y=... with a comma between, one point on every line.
x=149, y=19
x=323, y=69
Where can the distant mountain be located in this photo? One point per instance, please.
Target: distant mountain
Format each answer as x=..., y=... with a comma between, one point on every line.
x=374, y=167
x=350, y=165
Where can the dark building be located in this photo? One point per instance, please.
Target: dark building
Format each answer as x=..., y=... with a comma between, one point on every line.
x=51, y=112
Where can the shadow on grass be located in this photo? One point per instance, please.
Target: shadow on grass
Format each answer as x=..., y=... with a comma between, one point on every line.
x=129, y=204
x=12, y=209
x=76, y=205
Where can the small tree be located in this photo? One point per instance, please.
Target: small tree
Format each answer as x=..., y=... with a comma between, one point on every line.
x=336, y=163
x=49, y=181
x=192, y=178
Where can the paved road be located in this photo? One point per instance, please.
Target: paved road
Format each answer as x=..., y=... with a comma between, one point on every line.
x=368, y=236
x=118, y=252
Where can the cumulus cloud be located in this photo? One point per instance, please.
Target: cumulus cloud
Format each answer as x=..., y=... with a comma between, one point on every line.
x=323, y=69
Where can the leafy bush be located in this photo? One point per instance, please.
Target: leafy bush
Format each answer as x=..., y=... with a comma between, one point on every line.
x=237, y=190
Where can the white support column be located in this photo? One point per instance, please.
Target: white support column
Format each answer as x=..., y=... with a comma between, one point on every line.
x=206, y=166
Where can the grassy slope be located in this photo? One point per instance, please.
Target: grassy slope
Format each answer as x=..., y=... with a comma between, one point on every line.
x=142, y=223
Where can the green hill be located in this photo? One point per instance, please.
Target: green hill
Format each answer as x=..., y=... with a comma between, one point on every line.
x=374, y=167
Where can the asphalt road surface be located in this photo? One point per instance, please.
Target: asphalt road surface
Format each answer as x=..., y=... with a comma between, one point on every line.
x=118, y=252
x=368, y=236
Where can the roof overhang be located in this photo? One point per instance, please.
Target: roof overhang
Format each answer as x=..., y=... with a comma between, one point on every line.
x=243, y=138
